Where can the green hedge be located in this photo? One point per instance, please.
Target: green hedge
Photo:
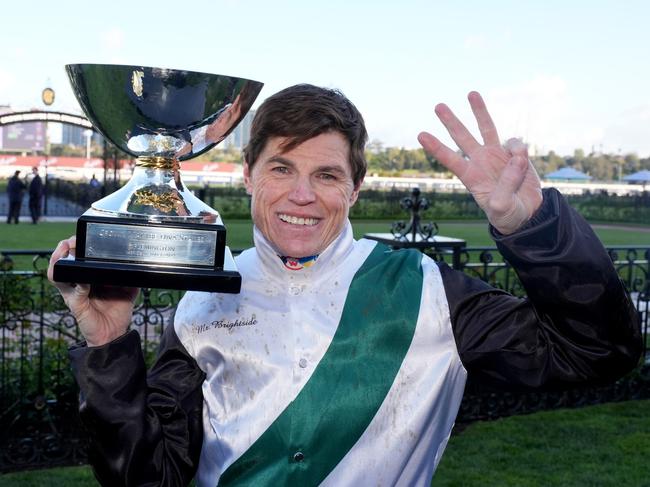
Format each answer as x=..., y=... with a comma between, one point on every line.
x=234, y=203
x=381, y=205
x=612, y=208
x=376, y=204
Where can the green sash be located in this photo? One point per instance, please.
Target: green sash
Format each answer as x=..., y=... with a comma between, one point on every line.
x=316, y=430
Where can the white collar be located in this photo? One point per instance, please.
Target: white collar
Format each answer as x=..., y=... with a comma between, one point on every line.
x=326, y=262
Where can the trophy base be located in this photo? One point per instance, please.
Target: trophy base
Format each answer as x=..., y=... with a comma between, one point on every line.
x=136, y=252
x=226, y=280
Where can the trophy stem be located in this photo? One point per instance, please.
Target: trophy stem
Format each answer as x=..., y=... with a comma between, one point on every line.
x=158, y=162
x=166, y=164
x=156, y=192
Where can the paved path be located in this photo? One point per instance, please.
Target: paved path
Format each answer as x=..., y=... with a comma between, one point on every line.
x=58, y=210
x=632, y=228
x=28, y=219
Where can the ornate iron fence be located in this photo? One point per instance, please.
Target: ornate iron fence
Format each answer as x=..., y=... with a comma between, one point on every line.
x=39, y=424
x=632, y=262
x=486, y=263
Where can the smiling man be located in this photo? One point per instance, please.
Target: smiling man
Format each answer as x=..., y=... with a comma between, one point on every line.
x=341, y=362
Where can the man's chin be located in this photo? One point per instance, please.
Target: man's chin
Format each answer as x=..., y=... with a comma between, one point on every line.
x=299, y=252
x=290, y=246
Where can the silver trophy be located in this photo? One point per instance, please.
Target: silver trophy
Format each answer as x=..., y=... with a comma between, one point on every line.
x=153, y=232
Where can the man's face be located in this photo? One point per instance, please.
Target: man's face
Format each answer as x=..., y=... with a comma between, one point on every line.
x=301, y=197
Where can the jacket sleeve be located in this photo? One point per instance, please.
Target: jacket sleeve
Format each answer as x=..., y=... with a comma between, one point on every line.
x=577, y=324
x=144, y=429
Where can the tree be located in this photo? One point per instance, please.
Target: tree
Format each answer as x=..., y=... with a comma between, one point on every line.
x=375, y=146
x=632, y=163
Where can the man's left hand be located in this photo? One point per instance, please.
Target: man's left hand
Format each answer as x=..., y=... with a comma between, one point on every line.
x=501, y=179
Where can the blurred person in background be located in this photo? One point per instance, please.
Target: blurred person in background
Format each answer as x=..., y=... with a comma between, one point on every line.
x=35, y=195
x=15, y=192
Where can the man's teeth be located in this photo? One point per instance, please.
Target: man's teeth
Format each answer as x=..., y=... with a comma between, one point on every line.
x=298, y=221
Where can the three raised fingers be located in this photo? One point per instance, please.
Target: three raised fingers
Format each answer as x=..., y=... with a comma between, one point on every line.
x=485, y=124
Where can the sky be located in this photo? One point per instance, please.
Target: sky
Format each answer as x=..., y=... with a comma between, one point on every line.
x=561, y=74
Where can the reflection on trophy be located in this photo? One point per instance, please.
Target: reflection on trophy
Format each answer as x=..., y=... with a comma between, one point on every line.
x=153, y=232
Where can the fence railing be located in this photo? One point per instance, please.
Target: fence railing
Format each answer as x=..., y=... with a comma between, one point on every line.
x=633, y=266
x=39, y=424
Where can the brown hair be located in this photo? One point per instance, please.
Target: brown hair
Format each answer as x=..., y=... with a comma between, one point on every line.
x=304, y=111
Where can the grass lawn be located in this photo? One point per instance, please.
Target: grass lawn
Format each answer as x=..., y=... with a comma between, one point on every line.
x=47, y=235
x=605, y=445
x=60, y=477
x=43, y=236
x=594, y=446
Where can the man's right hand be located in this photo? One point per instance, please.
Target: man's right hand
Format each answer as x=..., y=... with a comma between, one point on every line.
x=102, y=312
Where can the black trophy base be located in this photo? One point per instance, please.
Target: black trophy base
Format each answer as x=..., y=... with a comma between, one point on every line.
x=138, y=275
x=134, y=252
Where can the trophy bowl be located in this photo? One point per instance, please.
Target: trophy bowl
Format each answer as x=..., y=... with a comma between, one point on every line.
x=153, y=232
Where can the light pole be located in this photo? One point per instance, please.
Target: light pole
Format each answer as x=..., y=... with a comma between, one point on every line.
x=47, y=96
x=88, y=134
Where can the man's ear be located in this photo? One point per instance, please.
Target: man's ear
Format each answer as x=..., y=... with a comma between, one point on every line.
x=247, y=179
x=355, y=193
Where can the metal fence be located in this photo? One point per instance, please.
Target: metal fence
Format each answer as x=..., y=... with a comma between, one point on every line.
x=39, y=424
x=633, y=266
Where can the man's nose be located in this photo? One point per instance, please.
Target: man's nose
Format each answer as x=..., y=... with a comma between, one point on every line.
x=302, y=192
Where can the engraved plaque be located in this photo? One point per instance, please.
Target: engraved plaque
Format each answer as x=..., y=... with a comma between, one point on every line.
x=146, y=244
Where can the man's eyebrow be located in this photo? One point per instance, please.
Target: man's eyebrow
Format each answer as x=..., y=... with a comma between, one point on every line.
x=281, y=160
x=335, y=169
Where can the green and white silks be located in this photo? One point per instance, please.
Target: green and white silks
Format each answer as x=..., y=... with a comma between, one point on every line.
x=345, y=373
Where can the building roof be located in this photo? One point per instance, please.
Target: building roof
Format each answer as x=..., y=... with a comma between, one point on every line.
x=98, y=163
x=568, y=173
x=638, y=177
